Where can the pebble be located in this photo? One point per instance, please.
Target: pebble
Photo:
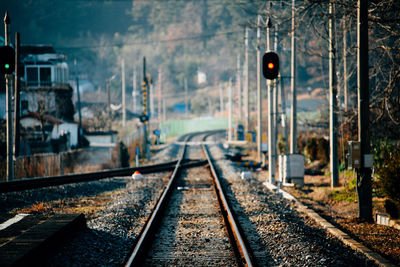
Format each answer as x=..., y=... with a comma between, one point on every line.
x=279, y=235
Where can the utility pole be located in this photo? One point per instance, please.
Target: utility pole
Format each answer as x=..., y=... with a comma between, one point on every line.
x=230, y=111
x=145, y=89
x=164, y=108
x=159, y=94
x=123, y=92
x=271, y=159
x=108, y=103
x=221, y=100
x=10, y=163
x=259, y=107
x=209, y=105
x=16, y=98
x=275, y=110
x=164, y=118
x=134, y=90
x=283, y=116
x=239, y=89
x=293, y=112
x=364, y=187
x=246, y=84
x=78, y=104
x=186, y=97
x=345, y=65
x=151, y=93
x=332, y=98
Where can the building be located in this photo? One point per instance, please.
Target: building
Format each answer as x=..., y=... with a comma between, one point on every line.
x=45, y=86
x=46, y=107
x=43, y=133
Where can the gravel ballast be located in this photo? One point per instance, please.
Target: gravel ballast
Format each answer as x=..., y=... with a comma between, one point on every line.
x=277, y=233
x=116, y=210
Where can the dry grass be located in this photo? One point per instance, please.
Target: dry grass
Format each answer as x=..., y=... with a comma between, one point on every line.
x=86, y=205
x=343, y=212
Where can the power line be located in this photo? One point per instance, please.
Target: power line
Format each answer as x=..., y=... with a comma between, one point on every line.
x=153, y=41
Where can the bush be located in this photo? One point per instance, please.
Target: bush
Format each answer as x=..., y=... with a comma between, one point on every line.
x=348, y=193
x=387, y=169
x=317, y=148
x=121, y=155
x=391, y=208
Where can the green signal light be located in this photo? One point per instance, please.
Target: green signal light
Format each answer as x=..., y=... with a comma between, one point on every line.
x=7, y=66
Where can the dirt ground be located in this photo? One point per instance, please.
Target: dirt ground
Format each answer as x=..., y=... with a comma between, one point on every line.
x=317, y=194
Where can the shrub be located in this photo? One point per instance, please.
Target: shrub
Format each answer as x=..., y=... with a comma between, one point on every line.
x=387, y=169
x=348, y=193
x=317, y=148
x=391, y=208
x=123, y=155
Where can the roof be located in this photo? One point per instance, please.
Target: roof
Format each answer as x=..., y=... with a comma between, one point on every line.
x=37, y=49
x=47, y=118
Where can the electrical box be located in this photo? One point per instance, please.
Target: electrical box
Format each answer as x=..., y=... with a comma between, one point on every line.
x=354, y=154
x=291, y=169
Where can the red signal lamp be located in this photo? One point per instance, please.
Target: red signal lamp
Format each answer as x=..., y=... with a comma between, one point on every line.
x=270, y=65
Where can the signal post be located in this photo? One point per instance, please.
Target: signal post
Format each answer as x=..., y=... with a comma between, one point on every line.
x=270, y=67
x=7, y=65
x=144, y=117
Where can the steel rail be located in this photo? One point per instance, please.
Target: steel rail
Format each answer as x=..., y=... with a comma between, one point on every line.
x=240, y=246
x=151, y=223
x=39, y=182
x=247, y=259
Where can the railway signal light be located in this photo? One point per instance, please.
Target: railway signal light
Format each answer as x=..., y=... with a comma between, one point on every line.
x=143, y=118
x=270, y=65
x=7, y=59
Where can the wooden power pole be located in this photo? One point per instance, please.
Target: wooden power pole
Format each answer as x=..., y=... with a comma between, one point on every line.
x=364, y=188
x=332, y=98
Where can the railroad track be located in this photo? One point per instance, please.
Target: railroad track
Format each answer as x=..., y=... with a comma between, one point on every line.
x=191, y=222
x=31, y=183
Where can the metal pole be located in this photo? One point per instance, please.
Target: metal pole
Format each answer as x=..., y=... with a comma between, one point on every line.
x=159, y=94
x=209, y=105
x=164, y=118
x=283, y=116
x=10, y=163
x=16, y=97
x=239, y=89
x=364, y=187
x=230, y=111
x=109, y=104
x=151, y=90
x=134, y=90
x=186, y=97
x=275, y=110
x=332, y=97
x=78, y=104
x=246, y=84
x=293, y=112
x=221, y=100
x=123, y=92
x=259, y=107
x=145, y=109
x=271, y=159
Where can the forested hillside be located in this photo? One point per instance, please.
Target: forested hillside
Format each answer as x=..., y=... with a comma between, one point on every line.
x=180, y=37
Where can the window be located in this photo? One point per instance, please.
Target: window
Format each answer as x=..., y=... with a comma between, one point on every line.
x=45, y=76
x=32, y=75
x=24, y=105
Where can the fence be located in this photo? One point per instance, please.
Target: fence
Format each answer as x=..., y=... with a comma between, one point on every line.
x=49, y=164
